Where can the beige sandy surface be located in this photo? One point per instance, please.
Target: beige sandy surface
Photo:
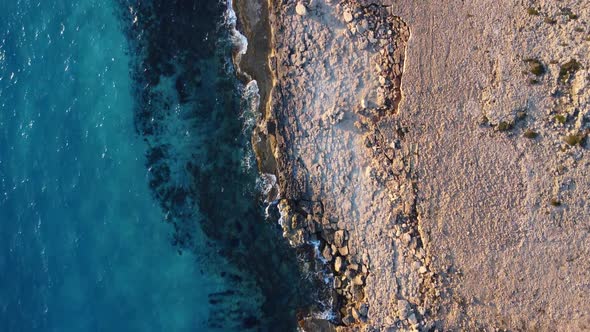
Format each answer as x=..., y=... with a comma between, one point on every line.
x=465, y=207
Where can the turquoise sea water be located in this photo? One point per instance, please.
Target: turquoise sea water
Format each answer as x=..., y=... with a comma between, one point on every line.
x=83, y=245
x=125, y=204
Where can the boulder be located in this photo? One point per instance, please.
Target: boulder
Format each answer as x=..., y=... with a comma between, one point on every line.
x=327, y=253
x=348, y=16
x=364, y=309
x=338, y=264
x=300, y=9
x=347, y=320
x=339, y=238
x=358, y=280
x=343, y=251
x=403, y=308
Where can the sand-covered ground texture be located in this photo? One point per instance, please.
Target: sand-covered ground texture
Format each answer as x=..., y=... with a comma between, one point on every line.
x=438, y=153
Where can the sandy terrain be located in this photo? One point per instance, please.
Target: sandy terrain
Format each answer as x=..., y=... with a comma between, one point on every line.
x=439, y=153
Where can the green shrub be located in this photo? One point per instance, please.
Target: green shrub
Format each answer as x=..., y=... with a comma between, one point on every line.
x=574, y=139
x=560, y=118
x=536, y=67
x=530, y=134
x=532, y=11
x=568, y=69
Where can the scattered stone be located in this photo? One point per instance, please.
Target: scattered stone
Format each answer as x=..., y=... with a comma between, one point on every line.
x=300, y=9
x=364, y=310
x=422, y=270
x=403, y=309
x=338, y=264
x=412, y=319
x=343, y=251
x=358, y=294
x=358, y=280
x=327, y=253
x=315, y=324
x=337, y=283
x=347, y=320
x=406, y=238
x=339, y=238
x=348, y=16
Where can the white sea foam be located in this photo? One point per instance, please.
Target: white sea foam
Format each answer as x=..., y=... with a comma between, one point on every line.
x=238, y=39
x=266, y=183
x=250, y=102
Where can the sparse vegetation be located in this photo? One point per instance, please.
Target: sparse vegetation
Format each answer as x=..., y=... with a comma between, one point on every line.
x=574, y=139
x=484, y=120
x=530, y=134
x=550, y=20
x=560, y=118
x=504, y=126
x=568, y=69
x=532, y=11
x=568, y=12
x=536, y=67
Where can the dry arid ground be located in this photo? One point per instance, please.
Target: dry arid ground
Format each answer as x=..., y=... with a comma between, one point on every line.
x=439, y=152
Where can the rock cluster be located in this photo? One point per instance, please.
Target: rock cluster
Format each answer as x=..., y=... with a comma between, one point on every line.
x=300, y=9
x=393, y=164
x=374, y=27
x=392, y=167
x=329, y=77
x=304, y=222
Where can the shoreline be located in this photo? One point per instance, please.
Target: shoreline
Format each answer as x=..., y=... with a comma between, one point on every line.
x=253, y=23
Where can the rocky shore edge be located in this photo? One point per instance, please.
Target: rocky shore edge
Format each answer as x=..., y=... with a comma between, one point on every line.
x=304, y=222
x=255, y=64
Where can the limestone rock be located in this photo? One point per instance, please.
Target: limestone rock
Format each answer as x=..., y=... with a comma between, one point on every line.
x=358, y=280
x=300, y=9
x=364, y=309
x=347, y=320
x=348, y=16
x=403, y=309
x=339, y=238
x=343, y=251
x=327, y=253
x=338, y=264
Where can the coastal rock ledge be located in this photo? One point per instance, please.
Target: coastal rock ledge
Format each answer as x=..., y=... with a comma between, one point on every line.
x=438, y=156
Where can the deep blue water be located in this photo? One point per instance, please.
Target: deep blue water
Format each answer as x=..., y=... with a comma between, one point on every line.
x=125, y=202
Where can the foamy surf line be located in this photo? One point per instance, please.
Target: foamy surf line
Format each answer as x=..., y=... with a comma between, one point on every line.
x=267, y=182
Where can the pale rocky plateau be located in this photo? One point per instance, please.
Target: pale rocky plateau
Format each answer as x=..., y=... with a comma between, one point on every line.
x=437, y=151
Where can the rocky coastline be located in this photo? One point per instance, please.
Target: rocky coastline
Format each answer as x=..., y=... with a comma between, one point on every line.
x=344, y=131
